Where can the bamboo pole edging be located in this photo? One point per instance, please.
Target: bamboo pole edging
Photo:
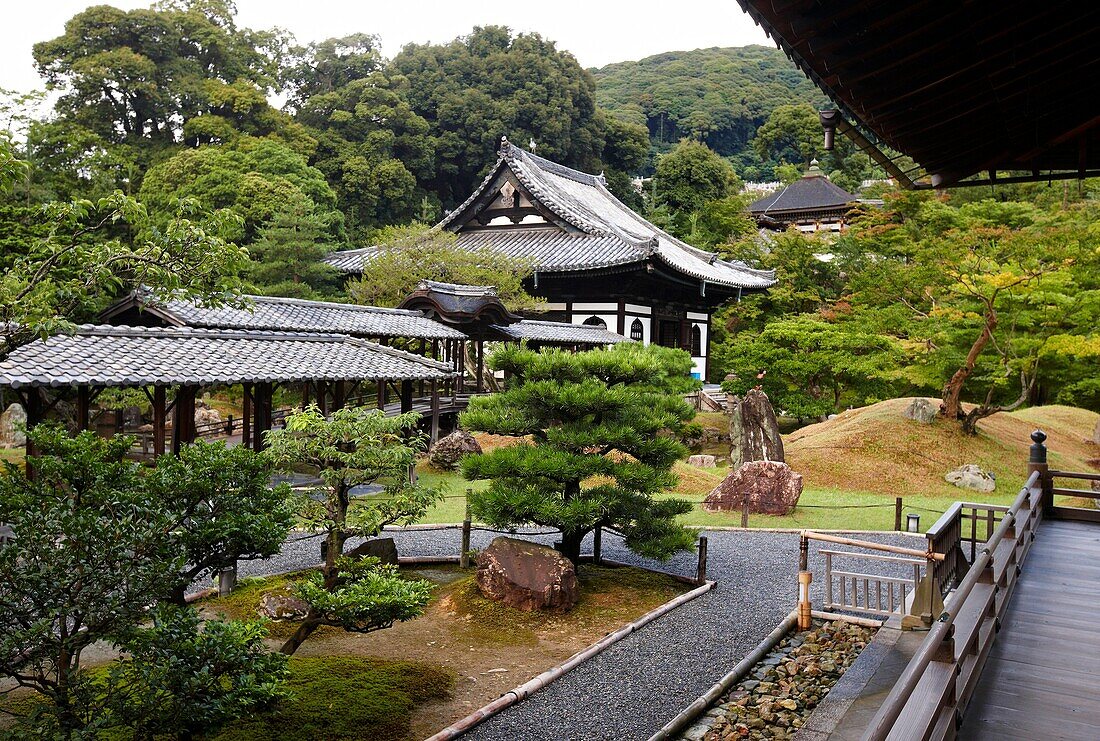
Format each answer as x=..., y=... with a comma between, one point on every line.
x=685, y=717
x=528, y=688
x=798, y=530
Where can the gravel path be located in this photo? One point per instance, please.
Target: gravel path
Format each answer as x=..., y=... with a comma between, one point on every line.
x=634, y=687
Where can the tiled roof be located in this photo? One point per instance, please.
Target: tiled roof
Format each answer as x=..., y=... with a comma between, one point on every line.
x=300, y=315
x=350, y=261
x=100, y=355
x=534, y=330
x=812, y=192
x=603, y=232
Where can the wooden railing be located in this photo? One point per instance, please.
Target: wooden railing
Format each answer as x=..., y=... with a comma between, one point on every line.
x=928, y=699
x=958, y=534
x=869, y=594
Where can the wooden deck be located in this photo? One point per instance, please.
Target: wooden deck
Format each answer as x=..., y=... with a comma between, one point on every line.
x=1042, y=680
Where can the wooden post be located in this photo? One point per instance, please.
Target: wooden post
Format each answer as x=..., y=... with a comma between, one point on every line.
x=701, y=568
x=160, y=420
x=382, y=394
x=32, y=406
x=464, y=553
x=597, y=537
x=183, y=418
x=805, y=577
x=406, y=396
x=897, y=514
x=322, y=397
x=479, y=386
x=461, y=353
x=263, y=398
x=1037, y=461
x=83, y=408
x=744, y=512
x=246, y=418
x=435, y=411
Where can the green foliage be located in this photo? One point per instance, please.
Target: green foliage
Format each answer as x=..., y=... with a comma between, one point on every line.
x=186, y=677
x=287, y=254
x=369, y=596
x=792, y=133
x=601, y=426
x=89, y=255
x=692, y=175
x=253, y=178
x=374, y=694
x=408, y=255
x=807, y=366
x=223, y=505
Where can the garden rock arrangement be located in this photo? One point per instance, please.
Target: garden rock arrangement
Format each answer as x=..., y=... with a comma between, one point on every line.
x=11, y=433
x=971, y=477
x=779, y=694
x=703, y=461
x=771, y=489
x=449, y=450
x=527, y=576
x=754, y=430
x=922, y=410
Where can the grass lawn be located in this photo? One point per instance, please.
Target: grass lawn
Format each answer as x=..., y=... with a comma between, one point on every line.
x=463, y=652
x=13, y=455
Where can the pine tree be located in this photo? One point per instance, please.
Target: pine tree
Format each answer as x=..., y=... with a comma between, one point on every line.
x=286, y=258
x=598, y=441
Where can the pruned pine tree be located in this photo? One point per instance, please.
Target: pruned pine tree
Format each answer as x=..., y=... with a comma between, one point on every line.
x=349, y=448
x=597, y=442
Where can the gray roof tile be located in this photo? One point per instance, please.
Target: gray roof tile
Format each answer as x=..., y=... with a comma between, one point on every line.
x=534, y=330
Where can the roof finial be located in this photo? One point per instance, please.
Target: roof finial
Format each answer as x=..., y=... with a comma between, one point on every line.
x=531, y=144
x=504, y=145
x=814, y=169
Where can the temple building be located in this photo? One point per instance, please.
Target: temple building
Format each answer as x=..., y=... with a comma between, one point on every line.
x=595, y=261
x=812, y=203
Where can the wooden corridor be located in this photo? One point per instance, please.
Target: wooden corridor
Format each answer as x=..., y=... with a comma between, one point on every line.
x=1042, y=679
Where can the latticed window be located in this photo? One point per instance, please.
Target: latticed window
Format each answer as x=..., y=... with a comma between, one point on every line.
x=595, y=321
x=636, y=330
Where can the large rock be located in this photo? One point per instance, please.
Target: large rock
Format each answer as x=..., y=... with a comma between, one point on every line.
x=282, y=607
x=971, y=477
x=205, y=415
x=922, y=410
x=448, y=451
x=384, y=549
x=526, y=575
x=754, y=431
x=771, y=488
x=12, y=434
x=703, y=461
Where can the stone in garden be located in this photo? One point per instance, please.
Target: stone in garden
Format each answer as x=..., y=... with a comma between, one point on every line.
x=971, y=477
x=526, y=575
x=384, y=549
x=922, y=410
x=207, y=416
x=282, y=607
x=11, y=422
x=771, y=489
x=754, y=431
x=703, y=461
x=448, y=451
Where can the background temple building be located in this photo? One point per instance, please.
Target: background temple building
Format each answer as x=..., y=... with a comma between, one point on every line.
x=595, y=261
x=812, y=203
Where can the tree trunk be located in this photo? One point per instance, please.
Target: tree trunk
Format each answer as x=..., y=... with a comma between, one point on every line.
x=951, y=406
x=305, y=630
x=571, y=544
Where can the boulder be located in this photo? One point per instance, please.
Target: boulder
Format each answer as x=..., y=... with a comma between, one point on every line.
x=12, y=434
x=384, y=549
x=703, y=461
x=771, y=488
x=754, y=431
x=526, y=575
x=972, y=477
x=922, y=410
x=282, y=607
x=207, y=416
x=448, y=451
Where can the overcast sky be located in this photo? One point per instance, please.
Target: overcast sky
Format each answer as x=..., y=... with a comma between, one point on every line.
x=596, y=32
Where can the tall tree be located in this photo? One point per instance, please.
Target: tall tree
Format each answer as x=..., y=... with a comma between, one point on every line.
x=287, y=255
x=692, y=175
x=591, y=452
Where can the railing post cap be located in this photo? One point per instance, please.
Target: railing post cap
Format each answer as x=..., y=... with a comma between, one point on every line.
x=1038, y=437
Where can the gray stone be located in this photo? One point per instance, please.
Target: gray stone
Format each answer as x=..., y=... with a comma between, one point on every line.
x=207, y=416
x=771, y=489
x=526, y=575
x=922, y=410
x=384, y=549
x=11, y=432
x=754, y=431
x=282, y=607
x=703, y=461
x=448, y=451
x=971, y=477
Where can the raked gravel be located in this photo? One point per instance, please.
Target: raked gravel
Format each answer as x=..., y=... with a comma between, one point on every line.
x=634, y=687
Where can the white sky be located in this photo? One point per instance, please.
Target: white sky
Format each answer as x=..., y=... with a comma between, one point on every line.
x=596, y=32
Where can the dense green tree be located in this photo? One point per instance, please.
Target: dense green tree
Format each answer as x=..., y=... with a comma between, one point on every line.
x=592, y=452
x=791, y=133
x=287, y=254
x=408, y=255
x=349, y=448
x=254, y=178
x=692, y=175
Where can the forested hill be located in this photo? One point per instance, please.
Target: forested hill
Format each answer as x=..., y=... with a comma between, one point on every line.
x=722, y=95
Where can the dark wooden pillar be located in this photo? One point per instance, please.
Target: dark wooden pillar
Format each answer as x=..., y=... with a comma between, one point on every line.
x=33, y=407
x=622, y=319
x=262, y=397
x=479, y=386
x=246, y=417
x=183, y=418
x=406, y=396
x=83, y=408
x=305, y=393
x=339, y=395
x=322, y=396
x=461, y=365
x=435, y=411
x=160, y=420
x=382, y=394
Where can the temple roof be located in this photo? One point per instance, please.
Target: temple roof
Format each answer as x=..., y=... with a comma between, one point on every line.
x=578, y=225
x=99, y=355
x=293, y=315
x=812, y=192
x=559, y=333
x=459, y=304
